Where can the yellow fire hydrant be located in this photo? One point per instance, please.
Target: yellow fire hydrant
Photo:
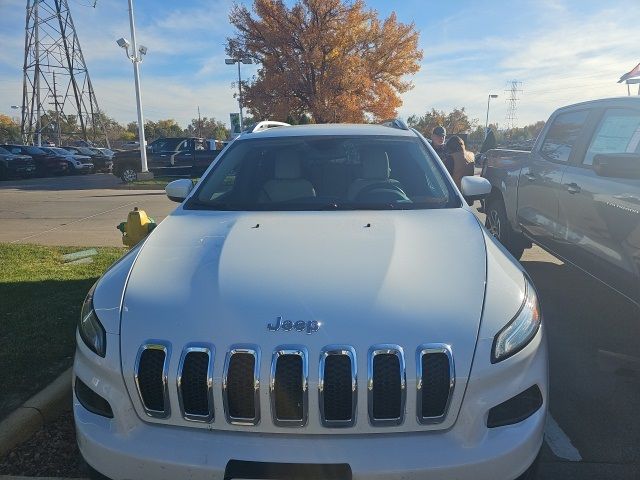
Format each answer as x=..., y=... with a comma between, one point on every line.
x=137, y=226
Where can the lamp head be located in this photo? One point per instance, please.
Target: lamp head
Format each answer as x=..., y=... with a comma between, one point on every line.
x=142, y=49
x=123, y=42
x=229, y=61
x=493, y=96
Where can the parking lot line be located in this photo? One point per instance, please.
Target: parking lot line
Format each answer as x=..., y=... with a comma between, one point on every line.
x=558, y=441
x=71, y=223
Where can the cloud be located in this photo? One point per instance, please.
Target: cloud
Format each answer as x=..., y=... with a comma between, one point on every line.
x=567, y=57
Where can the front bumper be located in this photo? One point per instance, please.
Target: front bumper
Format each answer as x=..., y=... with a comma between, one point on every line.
x=126, y=447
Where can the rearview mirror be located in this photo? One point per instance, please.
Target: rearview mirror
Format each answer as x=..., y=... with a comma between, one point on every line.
x=475, y=188
x=617, y=165
x=178, y=190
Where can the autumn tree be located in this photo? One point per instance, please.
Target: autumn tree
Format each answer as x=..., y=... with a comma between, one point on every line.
x=333, y=60
x=9, y=129
x=455, y=121
x=207, y=128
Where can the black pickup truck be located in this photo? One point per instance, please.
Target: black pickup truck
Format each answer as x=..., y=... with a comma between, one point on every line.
x=180, y=156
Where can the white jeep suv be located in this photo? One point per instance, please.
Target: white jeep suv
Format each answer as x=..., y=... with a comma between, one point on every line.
x=322, y=304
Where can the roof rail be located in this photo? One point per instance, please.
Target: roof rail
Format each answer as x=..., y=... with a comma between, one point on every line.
x=264, y=125
x=395, y=123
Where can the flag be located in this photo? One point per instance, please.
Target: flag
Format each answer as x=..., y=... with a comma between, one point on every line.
x=633, y=73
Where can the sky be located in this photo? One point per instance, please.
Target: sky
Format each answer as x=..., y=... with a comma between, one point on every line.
x=563, y=51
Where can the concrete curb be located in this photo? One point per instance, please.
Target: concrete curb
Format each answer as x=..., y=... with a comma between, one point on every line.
x=39, y=410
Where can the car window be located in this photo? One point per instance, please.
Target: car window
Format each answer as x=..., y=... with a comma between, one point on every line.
x=562, y=136
x=34, y=151
x=325, y=173
x=4, y=151
x=618, y=132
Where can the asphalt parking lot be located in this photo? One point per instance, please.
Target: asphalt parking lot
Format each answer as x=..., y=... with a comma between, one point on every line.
x=77, y=210
x=594, y=428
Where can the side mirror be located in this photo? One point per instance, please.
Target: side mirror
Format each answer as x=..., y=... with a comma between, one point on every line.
x=475, y=188
x=617, y=165
x=178, y=190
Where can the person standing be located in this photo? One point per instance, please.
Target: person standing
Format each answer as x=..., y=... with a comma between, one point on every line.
x=462, y=159
x=438, y=136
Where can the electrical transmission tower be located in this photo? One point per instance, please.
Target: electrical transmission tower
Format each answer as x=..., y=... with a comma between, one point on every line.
x=514, y=89
x=58, y=101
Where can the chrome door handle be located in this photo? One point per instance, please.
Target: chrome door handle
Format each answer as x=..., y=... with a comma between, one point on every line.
x=530, y=176
x=573, y=188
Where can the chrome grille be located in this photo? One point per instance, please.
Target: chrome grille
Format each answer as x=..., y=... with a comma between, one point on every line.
x=152, y=365
x=241, y=386
x=195, y=383
x=288, y=387
x=338, y=386
x=288, y=384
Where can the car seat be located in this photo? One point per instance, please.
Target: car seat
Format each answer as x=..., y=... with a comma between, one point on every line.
x=287, y=183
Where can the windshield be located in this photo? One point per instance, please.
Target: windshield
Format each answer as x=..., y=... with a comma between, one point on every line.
x=325, y=173
x=165, y=145
x=59, y=150
x=34, y=151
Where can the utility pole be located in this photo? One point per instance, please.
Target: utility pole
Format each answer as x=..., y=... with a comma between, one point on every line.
x=199, y=123
x=38, y=101
x=136, y=75
x=513, y=90
x=52, y=48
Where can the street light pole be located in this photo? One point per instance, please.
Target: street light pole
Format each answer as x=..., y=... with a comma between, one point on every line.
x=240, y=97
x=486, y=125
x=239, y=60
x=135, y=59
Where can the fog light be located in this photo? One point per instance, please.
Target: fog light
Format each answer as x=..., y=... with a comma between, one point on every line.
x=516, y=409
x=92, y=401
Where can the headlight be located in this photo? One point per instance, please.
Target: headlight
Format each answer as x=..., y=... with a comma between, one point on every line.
x=521, y=329
x=91, y=330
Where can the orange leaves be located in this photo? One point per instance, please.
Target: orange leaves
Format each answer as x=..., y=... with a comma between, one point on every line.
x=331, y=59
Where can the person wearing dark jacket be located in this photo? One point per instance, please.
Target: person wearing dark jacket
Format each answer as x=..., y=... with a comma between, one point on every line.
x=438, y=136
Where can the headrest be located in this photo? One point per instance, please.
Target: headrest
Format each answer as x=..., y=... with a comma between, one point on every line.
x=287, y=165
x=375, y=165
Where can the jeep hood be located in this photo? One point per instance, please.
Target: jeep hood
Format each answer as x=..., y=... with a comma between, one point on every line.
x=404, y=278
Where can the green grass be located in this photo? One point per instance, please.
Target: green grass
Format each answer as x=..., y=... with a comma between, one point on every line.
x=40, y=300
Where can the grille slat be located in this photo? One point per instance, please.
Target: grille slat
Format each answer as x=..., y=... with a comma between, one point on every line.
x=338, y=386
x=151, y=379
x=338, y=397
x=387, y=385
x=435, y=382
x=195, y=384
x=288, y=387
x=241, y=386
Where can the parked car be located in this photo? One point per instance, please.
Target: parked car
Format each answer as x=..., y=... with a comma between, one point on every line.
x=132, y=145
x=167, y=157
x=107, y=152
x=323, y=300
x=101, y=162
x=12, y=165
x=46, y=163
x=576, y=193
x=77, y=163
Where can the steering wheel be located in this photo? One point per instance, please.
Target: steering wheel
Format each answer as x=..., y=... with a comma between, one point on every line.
x=383, y=187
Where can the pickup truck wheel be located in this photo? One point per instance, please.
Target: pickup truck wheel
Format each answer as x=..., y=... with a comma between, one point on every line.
x=498, y=225
x=128, y=174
